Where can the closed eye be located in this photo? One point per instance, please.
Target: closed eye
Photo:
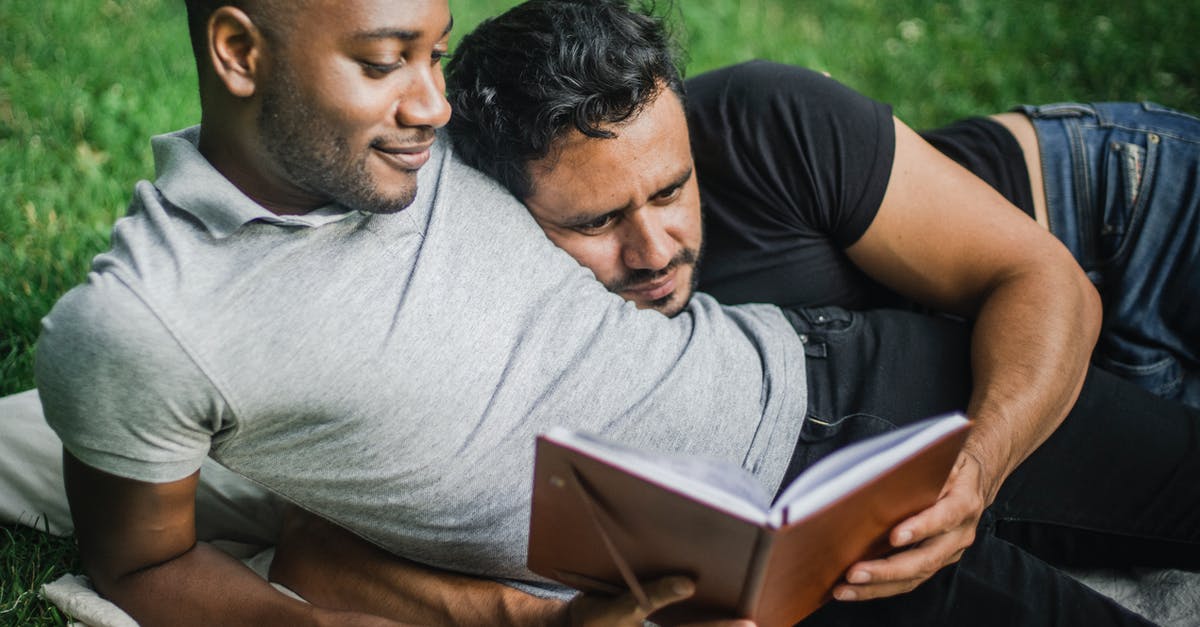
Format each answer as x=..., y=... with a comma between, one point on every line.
x=595, y=226
x=379, y=70
x=669, y=194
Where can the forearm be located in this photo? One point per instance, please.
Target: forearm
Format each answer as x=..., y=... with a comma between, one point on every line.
x=204, y=586
x=335, y=569
x=1030, y=348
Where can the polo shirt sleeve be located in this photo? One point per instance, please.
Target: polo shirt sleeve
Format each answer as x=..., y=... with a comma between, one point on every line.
x=117, y=388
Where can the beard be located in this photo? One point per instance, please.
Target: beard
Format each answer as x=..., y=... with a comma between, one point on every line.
x=316, y=157
x=673, y=303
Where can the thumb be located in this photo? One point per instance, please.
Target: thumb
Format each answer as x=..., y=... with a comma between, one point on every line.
x=663, y=592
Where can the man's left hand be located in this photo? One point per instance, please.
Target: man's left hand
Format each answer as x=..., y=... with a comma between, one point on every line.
x=932, y=539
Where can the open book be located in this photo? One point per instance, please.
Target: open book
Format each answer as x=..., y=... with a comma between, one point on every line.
x=606, y=516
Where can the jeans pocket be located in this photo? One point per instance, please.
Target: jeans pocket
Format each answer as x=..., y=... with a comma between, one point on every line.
x=1157, y=373
x=821, y=319
x=1130, y=158
x=818, y=326
x=843, y=429
x=822, y=435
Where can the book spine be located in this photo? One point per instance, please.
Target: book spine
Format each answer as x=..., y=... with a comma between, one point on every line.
x=756, y=572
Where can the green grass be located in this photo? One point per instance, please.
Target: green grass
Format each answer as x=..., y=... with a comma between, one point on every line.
x=31, y=558
x=84, y=83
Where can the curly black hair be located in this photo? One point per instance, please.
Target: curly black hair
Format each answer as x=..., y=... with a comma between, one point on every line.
x=523, y=79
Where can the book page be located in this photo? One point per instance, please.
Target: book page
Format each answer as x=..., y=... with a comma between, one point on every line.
x=850, y=467
x=722, y=484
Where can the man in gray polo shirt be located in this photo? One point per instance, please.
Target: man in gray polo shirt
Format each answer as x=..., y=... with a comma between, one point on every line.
x=267, y=302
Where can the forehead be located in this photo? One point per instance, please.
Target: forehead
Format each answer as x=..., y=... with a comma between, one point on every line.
x=341, y=19
x=649, y=151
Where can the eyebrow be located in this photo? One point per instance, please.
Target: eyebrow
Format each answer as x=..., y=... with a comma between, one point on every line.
x=584, y=219
x=398, y=33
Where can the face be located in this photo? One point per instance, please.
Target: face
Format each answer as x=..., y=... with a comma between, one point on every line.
x=353, y=96
x=627, y=207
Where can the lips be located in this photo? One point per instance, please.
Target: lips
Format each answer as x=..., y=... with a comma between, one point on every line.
x=653, y=290
x=404, y=157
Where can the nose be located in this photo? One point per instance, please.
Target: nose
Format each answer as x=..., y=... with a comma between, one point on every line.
x=647, y=245
x=423, y=102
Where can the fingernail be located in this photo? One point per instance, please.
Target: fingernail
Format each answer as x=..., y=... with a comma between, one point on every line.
x=904, y=537
x=859, y=576
x=682, y=586
x=845, y=595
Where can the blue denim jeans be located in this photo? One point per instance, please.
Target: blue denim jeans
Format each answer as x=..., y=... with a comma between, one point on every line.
x=1123, y=193
x=1114, y=486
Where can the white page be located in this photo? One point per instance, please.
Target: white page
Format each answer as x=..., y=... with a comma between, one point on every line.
x=850, y=467
x=718, y=483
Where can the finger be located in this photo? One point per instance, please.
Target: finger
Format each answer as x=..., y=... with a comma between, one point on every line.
x=874, y=591
x=929, y=523
x=924, y=558
x=623, y=610
x=880, y=589
x=905, y=570
x=961, y=506
x=667, y=590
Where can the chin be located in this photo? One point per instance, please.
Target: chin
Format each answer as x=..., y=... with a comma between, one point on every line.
x=669, y=305
x=390, y=201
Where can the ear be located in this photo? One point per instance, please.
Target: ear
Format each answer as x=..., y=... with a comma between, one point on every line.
x=235, y=47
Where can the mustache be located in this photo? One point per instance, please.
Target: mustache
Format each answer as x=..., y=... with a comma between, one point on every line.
x=685, y=257
x=422, y=135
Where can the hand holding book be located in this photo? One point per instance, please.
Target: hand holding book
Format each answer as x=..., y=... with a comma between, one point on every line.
x=606, y=517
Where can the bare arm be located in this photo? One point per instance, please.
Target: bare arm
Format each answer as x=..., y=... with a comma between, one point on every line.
x=334, y=568
x=138, y=544
x=946, y=239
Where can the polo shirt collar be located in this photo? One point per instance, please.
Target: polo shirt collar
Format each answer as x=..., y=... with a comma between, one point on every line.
x=190, y=183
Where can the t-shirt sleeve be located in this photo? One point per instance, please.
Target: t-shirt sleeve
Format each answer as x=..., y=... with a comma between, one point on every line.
x=810, y=154
x=118, y=390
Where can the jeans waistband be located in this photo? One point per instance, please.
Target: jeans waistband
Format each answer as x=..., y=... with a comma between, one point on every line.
x=1098, y=162
x=1065, y=175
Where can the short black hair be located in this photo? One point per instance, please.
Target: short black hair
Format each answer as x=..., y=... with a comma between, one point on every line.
x=198, y=12
x=524, y=79
x=266, y=13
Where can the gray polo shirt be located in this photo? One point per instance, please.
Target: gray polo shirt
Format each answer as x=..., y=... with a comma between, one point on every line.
x=390, y=372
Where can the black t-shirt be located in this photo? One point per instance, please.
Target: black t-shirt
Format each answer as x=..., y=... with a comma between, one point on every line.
x=792, y=168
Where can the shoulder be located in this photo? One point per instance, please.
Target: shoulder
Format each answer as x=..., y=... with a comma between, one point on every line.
x=757, y=74
x=760, y=83
x=116, y=387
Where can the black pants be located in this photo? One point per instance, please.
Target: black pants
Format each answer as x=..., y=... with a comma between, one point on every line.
x=1118, y=484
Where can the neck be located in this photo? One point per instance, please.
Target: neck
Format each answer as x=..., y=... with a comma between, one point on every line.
x=232, y=151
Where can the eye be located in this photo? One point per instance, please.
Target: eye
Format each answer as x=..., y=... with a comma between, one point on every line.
x=441, y=55
x=378, y=70
x=669, y=194
x=595, y=226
